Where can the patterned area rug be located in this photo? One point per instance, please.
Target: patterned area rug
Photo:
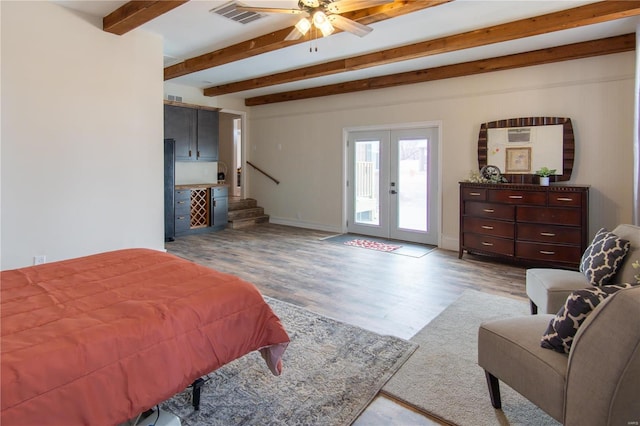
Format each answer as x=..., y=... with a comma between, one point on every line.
x=372, y=245
x=331, y=372
x=443, y=378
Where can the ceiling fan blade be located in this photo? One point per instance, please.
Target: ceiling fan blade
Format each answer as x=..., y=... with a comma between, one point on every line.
x=346, y=24
x=269, y=10
x=343, y=6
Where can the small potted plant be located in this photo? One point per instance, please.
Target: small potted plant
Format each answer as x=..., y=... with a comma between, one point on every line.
x=544, y=174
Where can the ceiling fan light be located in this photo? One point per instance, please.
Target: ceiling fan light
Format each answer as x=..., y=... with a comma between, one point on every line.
x=319, y=18
x=327, y=29
x=303, y=25
x=322, y=23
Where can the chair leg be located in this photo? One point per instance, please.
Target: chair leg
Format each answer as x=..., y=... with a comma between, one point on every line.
x=494, y=390
x=534, y=308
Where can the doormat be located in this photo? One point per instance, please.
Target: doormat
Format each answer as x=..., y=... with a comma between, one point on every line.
x=405, y=248
x=372, y=245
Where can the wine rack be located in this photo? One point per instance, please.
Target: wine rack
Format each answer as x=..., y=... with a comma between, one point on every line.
x=200, y=208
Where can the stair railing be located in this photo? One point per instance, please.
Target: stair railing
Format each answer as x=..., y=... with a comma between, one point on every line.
x=263, y=172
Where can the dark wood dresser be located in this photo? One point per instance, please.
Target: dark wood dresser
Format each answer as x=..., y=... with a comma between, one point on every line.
x=529, y=224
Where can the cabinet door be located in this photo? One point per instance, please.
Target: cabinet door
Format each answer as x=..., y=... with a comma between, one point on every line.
x=208, y=125
x=180, y=124
x=220, y=211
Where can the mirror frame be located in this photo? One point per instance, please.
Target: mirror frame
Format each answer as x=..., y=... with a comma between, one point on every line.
x=568, y=145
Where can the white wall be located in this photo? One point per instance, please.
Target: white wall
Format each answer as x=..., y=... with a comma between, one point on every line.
x=301, y=142
x=82, y=128
x=636, y=142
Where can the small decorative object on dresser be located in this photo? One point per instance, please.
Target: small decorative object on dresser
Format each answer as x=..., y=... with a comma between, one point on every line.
x=544, y=174
x=492, y=174
x=526, y=223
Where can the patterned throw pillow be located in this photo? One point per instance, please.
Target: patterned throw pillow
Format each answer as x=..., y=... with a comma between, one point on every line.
x=602, y=258
x=564, y=326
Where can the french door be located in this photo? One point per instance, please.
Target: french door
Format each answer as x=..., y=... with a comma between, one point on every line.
x=392, y=184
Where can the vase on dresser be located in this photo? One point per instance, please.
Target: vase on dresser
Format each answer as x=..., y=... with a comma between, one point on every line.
x=544, y=180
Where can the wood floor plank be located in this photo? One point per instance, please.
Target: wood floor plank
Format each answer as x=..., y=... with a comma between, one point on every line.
x=383, y=292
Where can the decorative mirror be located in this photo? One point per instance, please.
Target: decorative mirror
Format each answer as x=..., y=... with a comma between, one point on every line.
x=520, y=146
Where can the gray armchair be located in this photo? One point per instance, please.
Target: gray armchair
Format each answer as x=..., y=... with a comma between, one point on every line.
x=548, y=288
x=598, y=383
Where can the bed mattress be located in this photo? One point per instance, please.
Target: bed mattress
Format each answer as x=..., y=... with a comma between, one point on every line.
x=102, y=338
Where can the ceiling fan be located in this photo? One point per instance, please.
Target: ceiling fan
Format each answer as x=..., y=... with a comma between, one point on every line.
x=324, y=15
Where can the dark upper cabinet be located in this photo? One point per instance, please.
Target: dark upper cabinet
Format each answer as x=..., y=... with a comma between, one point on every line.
x=194, y=130
x=208, y=126
x=180, y=124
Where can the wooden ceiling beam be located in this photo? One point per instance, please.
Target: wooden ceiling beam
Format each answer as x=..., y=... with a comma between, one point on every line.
x=276, y=40
x=567, y=52
x=135, y=13
x=556, y=21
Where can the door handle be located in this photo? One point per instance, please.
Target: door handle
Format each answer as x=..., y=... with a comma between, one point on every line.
x=393, y=191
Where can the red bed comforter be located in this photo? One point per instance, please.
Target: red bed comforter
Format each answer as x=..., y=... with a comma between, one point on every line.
x=99, y=339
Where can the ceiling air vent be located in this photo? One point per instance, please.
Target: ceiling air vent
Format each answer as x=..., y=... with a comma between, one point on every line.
x=229, y=11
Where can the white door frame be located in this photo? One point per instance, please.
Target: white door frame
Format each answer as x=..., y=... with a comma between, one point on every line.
x=244, y=150
x=382, y=127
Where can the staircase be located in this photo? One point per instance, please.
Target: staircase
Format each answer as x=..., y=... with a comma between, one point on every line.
x=245, y=212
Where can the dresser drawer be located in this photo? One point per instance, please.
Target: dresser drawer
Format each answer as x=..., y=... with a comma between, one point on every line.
x=183, y=206
x=183, y=222
x=182, y=194
x=219, y=191
x=549, y=252
x=479, y=194
x=569, y=199
x=550, y=215
x=548, y=233
x=488, y=244
x=518, y=197
x=484, y=226
x=490, y=210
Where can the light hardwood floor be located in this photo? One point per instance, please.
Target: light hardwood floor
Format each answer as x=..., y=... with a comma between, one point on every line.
x=383, y=292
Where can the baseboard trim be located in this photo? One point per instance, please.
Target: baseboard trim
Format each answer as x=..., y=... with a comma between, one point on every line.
x=306, y=225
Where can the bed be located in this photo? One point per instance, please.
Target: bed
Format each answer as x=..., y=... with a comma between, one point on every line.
x=102, y=338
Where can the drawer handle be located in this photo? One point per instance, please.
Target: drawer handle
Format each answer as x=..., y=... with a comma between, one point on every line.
x=180, y=202
x=487, y=244
x=547, y=234
x=488, y=210
x=564, y=199
x=475, y=194
x=180, y=217
x=486, y=227
x=547, y=252
x=516, y=197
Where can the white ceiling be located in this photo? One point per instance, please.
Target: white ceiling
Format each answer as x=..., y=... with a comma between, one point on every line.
x=190, y=30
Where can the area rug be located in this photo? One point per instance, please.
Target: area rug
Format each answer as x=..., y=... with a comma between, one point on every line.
x=372, y=245
x=443, y=379
x=332, y=371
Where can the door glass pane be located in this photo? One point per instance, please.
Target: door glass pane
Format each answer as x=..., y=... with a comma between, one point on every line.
x=367, y=188
x=412, y=184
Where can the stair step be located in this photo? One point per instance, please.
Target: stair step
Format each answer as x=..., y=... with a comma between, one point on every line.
x=245, y=213
x=242, y=203
x=246, y=222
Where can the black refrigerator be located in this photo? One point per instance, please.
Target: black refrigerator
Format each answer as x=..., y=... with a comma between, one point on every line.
x=169, y=189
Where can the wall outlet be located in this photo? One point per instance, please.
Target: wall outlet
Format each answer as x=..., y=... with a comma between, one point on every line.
x=39, y=260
